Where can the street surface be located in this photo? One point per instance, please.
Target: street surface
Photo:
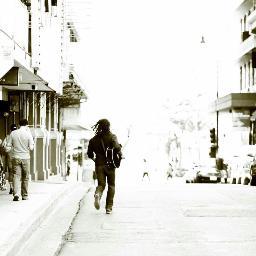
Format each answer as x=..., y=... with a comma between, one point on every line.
x=157, y=217
x=154, y=217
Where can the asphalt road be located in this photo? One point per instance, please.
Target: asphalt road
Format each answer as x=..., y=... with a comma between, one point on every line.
x=152, y=217
x=166, y=218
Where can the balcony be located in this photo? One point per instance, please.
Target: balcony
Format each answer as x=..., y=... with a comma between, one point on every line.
x=14, y=21
x=247, y=46
x=245, y=35
x=252, y=21
x=13, y=35
x=253, y=88
x=235, y=100
x=6, y=53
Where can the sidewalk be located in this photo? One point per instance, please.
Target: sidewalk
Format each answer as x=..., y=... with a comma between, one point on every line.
x=18, y=220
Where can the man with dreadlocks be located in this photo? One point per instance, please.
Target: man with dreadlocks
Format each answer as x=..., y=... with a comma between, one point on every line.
x=96, y=151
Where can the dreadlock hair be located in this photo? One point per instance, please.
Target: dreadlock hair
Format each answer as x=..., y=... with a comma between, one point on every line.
x=102, y=126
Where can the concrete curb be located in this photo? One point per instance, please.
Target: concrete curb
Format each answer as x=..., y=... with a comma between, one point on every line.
x=34, y=220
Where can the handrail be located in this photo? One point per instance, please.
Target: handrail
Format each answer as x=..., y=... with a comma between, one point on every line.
x=15, y=43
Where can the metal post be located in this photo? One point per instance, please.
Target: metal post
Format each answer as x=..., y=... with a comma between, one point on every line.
x=217, y=112
x=6, y=115
x=77, y=171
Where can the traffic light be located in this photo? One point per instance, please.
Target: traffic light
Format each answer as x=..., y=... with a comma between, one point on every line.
x=213, y=135
x=213, y=151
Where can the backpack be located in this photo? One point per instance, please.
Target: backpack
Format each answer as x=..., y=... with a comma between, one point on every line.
x=253, y=170
x=113, y=158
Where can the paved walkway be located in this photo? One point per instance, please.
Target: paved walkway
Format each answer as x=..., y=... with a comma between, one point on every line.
x=18, y=220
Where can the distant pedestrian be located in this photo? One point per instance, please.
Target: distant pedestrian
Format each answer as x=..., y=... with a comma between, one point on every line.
x=68, y=167
x=145, y=169
x=21, y=141
x=169, y=172
x=2, y=172
x=9, y=158
x=253, y=172
x=96, y=151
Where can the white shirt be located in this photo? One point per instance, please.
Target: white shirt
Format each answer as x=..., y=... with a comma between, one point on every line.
x=21, y=142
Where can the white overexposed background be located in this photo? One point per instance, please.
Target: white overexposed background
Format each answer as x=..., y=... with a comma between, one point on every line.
x=136, y=55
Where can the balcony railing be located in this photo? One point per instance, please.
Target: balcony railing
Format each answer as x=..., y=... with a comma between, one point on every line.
x=10, y=50
x=247, y=46
x=245, y=35
x=14, y=21
x=252, y=21
x=17, y=51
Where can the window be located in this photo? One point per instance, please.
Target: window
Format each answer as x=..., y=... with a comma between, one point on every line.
x=54, y=2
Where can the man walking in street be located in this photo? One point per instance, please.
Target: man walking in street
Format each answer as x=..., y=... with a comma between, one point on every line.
x=21, y=142
x=96, y=151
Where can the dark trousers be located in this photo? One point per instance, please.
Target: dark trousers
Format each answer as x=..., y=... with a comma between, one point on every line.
x=105, y=175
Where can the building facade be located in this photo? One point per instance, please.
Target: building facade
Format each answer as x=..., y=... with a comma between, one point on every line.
x=34, y=38
x=235, y=107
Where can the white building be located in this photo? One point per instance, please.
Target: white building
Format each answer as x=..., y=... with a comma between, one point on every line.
x=34, y=39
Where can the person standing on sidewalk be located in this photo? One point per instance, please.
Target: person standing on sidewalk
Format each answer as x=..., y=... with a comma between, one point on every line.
x=145, y=169
x=21, y=141
x=169, y=172
x=9, y=158
x=96, y=151
x=2, y=172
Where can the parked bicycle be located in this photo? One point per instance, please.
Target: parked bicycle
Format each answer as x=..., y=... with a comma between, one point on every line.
x=3, y=185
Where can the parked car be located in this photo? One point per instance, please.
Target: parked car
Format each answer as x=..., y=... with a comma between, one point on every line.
x=208, y=174
x=253, y=172
x=240, y=165
x=179, y=172
x=190, y=176
x=245, y=175
x=240, y=169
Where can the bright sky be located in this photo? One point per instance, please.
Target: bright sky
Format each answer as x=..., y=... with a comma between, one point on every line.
x=134, y=54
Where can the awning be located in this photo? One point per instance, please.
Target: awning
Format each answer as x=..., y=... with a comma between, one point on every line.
x=77, y=132
x=28, y=81
x=75, y=127
x=235, y=100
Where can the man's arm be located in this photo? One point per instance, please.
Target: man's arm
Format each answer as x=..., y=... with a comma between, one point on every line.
x=90, y=152
x=31, y=142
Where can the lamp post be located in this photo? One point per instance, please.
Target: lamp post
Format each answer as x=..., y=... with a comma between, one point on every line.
x=217, y=95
